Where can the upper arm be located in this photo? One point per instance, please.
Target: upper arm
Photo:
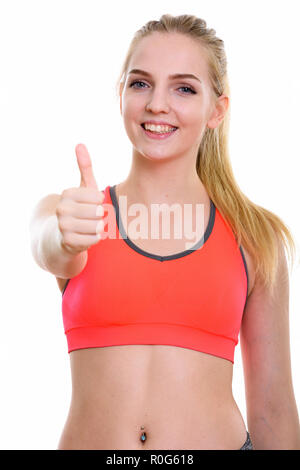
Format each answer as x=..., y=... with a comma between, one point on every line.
x=265, y=343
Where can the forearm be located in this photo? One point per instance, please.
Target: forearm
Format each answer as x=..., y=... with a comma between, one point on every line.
x=275, y=430
x=53, y=257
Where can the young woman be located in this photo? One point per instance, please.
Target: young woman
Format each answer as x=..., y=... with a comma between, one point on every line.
x=152, y=322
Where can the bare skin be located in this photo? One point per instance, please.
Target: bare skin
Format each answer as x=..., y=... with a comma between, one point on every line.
x=180, y=398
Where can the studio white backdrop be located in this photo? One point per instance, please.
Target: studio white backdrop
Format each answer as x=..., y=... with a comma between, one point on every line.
x=59, y=61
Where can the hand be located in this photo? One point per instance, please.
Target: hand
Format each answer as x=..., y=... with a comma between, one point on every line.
x=80, y=211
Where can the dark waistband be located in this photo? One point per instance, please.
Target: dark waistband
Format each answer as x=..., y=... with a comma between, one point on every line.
x=248, y=444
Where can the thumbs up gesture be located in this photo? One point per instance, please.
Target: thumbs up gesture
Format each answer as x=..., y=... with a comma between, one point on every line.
x=80, y=211
x=85, y=167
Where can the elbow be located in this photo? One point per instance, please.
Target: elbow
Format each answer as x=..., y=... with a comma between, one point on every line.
x=275, y=426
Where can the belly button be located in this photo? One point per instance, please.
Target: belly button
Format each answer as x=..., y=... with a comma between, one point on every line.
x=143, y=436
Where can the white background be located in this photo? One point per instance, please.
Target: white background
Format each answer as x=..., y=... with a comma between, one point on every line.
x=59, y=64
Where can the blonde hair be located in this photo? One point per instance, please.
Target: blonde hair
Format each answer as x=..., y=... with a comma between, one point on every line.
x=258, y=229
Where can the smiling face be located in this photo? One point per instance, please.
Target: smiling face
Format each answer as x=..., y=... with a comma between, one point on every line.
x=186, y=103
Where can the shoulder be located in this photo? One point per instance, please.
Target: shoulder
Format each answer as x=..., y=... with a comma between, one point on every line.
x=281, y=273
x=253, y=279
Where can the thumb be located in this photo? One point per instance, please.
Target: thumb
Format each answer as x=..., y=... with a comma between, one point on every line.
x=85, y=167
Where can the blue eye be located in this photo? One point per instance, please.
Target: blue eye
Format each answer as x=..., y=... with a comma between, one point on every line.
x=191, y=91
x=134, y=83
x=188, y=88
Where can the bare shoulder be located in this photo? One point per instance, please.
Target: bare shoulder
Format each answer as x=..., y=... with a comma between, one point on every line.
x=250, y=268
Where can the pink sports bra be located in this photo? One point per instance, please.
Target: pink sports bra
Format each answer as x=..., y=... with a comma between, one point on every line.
x=194, y=299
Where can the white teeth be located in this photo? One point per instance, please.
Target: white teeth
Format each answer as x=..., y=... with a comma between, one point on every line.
x=152, y=127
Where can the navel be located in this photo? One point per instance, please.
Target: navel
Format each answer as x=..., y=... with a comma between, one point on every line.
x=143, y=435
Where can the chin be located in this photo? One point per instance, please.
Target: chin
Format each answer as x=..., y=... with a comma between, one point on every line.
x=153, y=156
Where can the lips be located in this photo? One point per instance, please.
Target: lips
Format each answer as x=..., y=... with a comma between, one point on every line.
x=159, y=135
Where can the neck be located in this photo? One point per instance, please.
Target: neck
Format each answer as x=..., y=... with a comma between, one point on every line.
x=169, y=181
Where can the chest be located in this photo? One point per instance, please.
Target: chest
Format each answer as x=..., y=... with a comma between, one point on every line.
x=196, y=224
x=170, y=235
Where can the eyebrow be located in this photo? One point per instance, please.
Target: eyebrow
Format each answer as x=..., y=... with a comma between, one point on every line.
x=175, y=75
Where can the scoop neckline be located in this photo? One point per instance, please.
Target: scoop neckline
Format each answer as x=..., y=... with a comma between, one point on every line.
x=193, y=249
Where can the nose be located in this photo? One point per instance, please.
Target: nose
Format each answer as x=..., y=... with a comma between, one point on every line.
x=158, y=102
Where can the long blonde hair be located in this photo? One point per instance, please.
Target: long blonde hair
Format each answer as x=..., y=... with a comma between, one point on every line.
x=258, y=229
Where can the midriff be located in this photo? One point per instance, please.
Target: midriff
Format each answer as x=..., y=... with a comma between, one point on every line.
x=182, y=398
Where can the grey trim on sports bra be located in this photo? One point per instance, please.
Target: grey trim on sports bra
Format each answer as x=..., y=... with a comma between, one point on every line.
x=201, y=242
x=65, y=287
x=210, y=225
x=245, y=264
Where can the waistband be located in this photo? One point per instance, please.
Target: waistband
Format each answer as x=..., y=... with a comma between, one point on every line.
x=248, y=444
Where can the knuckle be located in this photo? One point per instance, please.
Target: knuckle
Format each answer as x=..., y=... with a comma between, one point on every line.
x=69, y=193
x=64, y=208
x=60, y=209
x=69, y=239
x=64, y=224
x=60, y=224
x=65, y=193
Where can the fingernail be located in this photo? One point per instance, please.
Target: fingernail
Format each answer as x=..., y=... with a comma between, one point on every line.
x=100, y=226
x=99, y=211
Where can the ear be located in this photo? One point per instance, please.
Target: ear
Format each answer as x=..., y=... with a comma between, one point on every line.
x=218, y=113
